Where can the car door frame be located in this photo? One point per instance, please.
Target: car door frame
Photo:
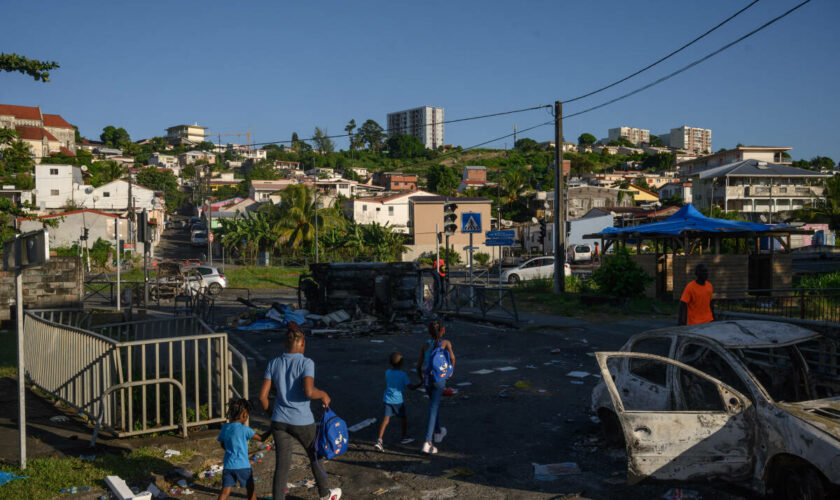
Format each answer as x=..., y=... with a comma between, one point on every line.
x=687, y=449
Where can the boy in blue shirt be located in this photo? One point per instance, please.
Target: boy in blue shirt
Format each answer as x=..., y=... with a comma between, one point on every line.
x=396, y=381
x=234, y=438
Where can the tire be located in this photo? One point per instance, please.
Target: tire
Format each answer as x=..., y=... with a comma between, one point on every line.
x=215, y=289
x=611, y=428
x=801, y=483
x=513, y=279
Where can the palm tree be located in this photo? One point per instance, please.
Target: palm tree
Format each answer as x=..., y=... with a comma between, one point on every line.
x=513, y=182
x=298, y=215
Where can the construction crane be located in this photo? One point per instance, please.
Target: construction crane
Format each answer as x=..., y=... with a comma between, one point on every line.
x=246, y=134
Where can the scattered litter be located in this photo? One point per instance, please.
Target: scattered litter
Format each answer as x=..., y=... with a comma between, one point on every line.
x=549, y=472
x=122, y=491
x=506, y=369
x=339, y=316
x=463, y=384
x=483, y=371
x=615, y=480
x=265, y=446
x=681, y=494
x=449, y=492
x=595, y=420
x=176, y=492
x=154, y=490
x=212, y=471
x=556, y=351
x=377, y=341
x=503, y=395
x=182, y=483
x=305, y=483
x=170, y=453
x=361, y=425
x=577, y=382
x=450, y=391
x=185, y=473
x=531, y=367
x=5, y=477
x=457, y=471
x=380, y=491
x=257, y=458
x=76, y=489
x=522, y=384
x=59, y=419
x=590, y=354
x=577, y=374
x=541, y=390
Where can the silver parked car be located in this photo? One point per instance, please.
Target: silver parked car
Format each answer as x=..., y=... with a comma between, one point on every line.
x=754, y=403
x=536, y=268
x=211, y=277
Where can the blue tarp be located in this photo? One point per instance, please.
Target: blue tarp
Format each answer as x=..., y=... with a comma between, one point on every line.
x=689, y=219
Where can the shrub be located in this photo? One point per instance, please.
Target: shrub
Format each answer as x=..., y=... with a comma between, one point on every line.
x=621, y=276
x=481, y=258
x=821, y=281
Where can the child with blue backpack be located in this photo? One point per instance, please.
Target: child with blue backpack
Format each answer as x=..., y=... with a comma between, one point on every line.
x=436, y=364
x=396, y=381
x=234, y=438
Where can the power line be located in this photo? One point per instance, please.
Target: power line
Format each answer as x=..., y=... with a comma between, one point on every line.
x=688, y=66
x=457, y=120
x=733, y=16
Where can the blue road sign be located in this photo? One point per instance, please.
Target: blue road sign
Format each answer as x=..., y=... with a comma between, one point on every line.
x=471, y=222
x=499, y=242
x=505, y=233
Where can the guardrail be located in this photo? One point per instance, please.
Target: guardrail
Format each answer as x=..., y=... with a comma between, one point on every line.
x=124, y=376
x=485, y=301
x=803, y=304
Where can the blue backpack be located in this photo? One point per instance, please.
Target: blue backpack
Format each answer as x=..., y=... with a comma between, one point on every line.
x=331, y=437
x=440, y=366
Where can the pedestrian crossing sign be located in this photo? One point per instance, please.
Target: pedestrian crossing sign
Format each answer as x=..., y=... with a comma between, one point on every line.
x=471, y=222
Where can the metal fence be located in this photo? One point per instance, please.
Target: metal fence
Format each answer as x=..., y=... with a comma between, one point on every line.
x=485, y=302
x=801, y=303
x=135, y=378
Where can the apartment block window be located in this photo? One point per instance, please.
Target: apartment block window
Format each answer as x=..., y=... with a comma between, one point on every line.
x=53, y=171
x=597, y=202
x=53, y=192
x=364, y=208
x=378, y=209
x=390, y=210
x=106, y=194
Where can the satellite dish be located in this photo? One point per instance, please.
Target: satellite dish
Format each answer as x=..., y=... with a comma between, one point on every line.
x=84, y=168
x=534, y=220
x=762, y=218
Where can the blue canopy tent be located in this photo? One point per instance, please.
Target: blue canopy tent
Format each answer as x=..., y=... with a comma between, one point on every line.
x=690, y=238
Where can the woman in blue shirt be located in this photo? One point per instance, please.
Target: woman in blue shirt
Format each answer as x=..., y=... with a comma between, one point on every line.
x=293, y=378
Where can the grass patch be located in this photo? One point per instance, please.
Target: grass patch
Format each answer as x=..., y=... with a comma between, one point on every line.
x=46, y=477
x=264, y=277
x=8, y=353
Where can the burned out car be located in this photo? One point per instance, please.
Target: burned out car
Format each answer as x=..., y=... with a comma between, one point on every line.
x=754, y=403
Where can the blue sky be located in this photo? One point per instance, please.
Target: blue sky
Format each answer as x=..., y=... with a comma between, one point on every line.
x=281, y=66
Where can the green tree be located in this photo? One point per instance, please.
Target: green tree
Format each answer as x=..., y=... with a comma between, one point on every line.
x=586, y=139
x=481, y=258
x=658, y=162
x=103, y=172
x=115, y=137
x=822, y=162
x=674, y=200
x=525, y=144
x=442, y=180
x=205, y=146
x=162, y=180
x=15, y=155
x=404, y=146
x=296, y=224
x=349, y=128
x=829, y=206
x=322, y=141
x=372, y=134
x=655, y=141
x=622, y=141
x=39, y=70
x=620, y=276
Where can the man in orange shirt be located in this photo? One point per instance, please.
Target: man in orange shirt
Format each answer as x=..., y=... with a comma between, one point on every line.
x=696, y=300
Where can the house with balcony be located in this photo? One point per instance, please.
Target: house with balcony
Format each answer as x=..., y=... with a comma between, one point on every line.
x=384, y=210
x=769, y=154
x=679, y=188
x=263, y=191
x=758, y=190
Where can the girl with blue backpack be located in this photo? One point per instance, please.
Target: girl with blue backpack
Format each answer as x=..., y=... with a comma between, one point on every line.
x=436, y=364
x=293, y=378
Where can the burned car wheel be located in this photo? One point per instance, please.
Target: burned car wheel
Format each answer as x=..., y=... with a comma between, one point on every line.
x=611, y=427
x=800, y=483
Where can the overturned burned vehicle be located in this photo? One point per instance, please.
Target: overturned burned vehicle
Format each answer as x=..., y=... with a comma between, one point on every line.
x=753, y=403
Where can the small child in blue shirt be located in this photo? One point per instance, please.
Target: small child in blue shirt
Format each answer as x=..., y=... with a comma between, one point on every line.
x=396, y=381
x=234, y=438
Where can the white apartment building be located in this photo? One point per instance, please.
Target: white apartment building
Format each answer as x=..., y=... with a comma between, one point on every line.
x=425, y=123
x=55, y=186
x=186, y=134
x=113, y=196
x=635, y=135
x=165, y=161
x=769, y=154
x=267, y=190
x=691, y=139
x=390, y=210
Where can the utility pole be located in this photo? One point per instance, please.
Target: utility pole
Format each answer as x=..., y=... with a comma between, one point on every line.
x=514, y=135
x=316, y=223
x=119, y=259
x=559, y=204
x=209, y=217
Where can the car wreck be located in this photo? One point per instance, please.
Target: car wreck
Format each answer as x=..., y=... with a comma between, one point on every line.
x=752, y=403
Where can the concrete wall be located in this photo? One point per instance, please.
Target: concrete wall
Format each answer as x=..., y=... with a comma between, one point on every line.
x=648, y=264
x=726, y=272
x=59, y=283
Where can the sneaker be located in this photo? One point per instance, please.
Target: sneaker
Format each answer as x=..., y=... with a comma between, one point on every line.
x=440, y=435
x=407, y=440
x=334, y=494
x=429, y=449
x=379, y=446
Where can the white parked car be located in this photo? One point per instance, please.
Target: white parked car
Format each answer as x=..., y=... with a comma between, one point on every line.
x=581, y=253
x=199, y=238
x=211, y=277
x=538, y=267
x=752, y=403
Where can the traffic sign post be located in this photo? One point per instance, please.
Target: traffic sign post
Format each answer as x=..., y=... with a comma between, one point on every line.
x=501, y=238
x=505, y=233
x=471, y=224
x=210, y=237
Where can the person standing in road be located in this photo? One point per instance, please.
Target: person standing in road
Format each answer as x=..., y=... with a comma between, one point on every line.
x=293, y=378
x=434, y=388
x=696, y=300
